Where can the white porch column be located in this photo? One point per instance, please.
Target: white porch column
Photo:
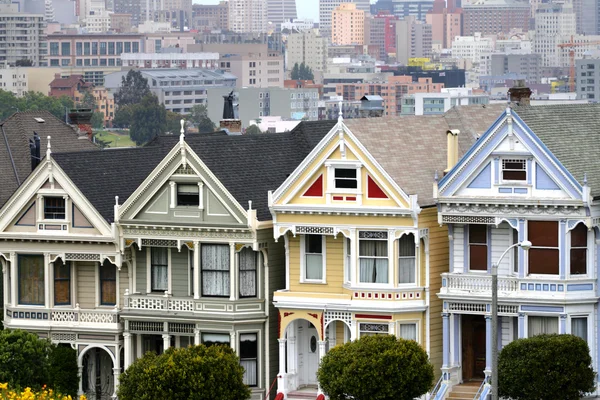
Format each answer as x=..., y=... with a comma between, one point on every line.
x=232, y=272
x=80, y=367
x=5, y=280
x=353, y=258
x=232, y=342
x=196, y=276
x=281, y=375
x=353, y=333
x=196, y=336
x=166, y=341
x=138, y=345
x=127, y=348
x=116, y=372
x=13, y=279
x=50, y=287
x=488, y=345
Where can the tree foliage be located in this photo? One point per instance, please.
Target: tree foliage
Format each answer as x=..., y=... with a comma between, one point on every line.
x=199, y=117
x=196, y=372
x=62, y=370
x=380, y=367
x=134, y=87
x=97, y=121
x=543, y=366
x=88, y=100
x=302, y=72
x=148, y=119
x=23, y=359
x=173, y=122
x=9, y=104
x=253, y=130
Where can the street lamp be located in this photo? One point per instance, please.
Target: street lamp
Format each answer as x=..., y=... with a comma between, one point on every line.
x=525, y=245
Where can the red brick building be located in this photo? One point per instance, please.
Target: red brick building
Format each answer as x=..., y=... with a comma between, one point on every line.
x=72, y=86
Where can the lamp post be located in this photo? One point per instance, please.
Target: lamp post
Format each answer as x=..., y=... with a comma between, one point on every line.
x=525, y=245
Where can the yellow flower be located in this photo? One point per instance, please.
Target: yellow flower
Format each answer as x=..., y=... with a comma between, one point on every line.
x=3, y=386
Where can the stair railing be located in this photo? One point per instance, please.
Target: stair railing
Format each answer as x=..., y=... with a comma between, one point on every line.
x=483, y=390
x=436, y=388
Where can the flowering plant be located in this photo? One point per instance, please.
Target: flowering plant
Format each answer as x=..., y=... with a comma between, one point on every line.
x=28, y=394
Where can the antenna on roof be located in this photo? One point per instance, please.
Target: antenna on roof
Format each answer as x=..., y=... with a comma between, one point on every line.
x=182, y=136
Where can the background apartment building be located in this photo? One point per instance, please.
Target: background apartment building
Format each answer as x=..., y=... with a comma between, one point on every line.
x=490, y=17
x=554, y=23
x=21, y=36
x=279, y=11
x=91, y=50
x=527, y=65
x=413, y=8
x=446, y=23
x=326, y=8
x=131, y=7
x=248, y=16
x=471, y=47
x=309, y=48
x=211, y=16
x=382, y=33
x=347, y=25
x=413, y=39
x=14, y=80
x=588, y=79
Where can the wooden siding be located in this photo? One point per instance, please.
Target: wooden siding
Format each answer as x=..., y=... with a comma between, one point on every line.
x=438, y=264
x=180, y=281
x=459, y=249
x=86, y=284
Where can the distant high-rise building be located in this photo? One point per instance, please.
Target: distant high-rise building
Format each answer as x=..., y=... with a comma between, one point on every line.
x=587, y=16
x=326, y=8
x=248, y=16
x=308, y=48
x=211, y=16
x=446, y=23
x=279, y=11
x=132, y=7
x=490, y=17
x=413, y=39
x=382, y=33
x=554, y=24
x=347, y=25
x=28, y=45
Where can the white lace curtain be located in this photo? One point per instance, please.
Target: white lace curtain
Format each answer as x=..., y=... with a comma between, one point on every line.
x=542, y=325
x=215, y=270
x=248, y=261
x=408, y=331
x=372, y=268
x=160, y=268
x=407, y=259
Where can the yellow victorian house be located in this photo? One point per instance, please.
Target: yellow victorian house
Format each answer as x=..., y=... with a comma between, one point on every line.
x=358, y=259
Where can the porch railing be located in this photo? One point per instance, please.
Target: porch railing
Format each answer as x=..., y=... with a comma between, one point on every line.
x=439, y=390
x=482, y=391
x=474, y=283
x=80, y=316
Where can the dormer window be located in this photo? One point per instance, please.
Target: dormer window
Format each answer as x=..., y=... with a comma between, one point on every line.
x=345, y=178
x=514, y=170
x=188, y=195
x=54, y=208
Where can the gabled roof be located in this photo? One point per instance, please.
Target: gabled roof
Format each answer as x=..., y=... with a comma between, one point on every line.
x=15, y=132
x=248, y=165
x=69, y=82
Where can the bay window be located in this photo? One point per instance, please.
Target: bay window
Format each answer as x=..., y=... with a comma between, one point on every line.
x=407, y=260
x=62, y=283
x=542, y=325
x=248, y=260
x=159, y=269
x=215, y=270
x=108, y=284
x=31, y=279
x=408, y=331
x=579, y=250
x=313, y=257
x=544, y=253
x=249, y=358
x=478, y=248
x=373, y=257
x=579, y=327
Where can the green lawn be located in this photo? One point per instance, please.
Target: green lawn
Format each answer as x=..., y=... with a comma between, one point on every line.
x=115, y=139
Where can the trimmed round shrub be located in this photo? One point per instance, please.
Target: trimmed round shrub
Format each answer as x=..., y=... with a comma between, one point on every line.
x=63, y=373
x=23, y=359
x=196, y=372
x=379, y=367
x=545, y=367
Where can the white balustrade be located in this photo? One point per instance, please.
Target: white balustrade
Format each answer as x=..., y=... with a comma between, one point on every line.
x=78, y=316
x=475, y=283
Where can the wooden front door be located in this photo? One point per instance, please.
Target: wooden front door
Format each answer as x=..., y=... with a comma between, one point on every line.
x=473, y=347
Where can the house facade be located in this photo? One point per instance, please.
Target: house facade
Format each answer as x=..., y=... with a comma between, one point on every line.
x=523, y=180
x=357, y=251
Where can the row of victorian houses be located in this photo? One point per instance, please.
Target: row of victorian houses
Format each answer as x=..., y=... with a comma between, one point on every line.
x=285, y=245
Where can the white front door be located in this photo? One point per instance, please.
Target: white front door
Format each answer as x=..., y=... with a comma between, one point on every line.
x=312, y=355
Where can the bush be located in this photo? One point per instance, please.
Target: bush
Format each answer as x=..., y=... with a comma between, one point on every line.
x=544, y=366
x=379, y=367
x=196, y=372
x=23, y=359
x=62, y=370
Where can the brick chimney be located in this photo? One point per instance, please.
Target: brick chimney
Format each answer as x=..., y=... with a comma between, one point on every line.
x=520, y=93
x=82, y=118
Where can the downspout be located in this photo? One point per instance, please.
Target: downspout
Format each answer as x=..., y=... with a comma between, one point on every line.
x=12, y=162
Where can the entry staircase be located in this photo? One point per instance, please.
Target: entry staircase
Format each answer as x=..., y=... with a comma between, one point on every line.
x=465, y=391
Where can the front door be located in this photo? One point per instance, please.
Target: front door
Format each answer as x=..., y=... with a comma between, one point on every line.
x=312, y=362
x=473, y=347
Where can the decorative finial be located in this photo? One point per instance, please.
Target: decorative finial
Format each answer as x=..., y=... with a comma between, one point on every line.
x=249, y=204
x=585, y=179
x=435, y=176
x=182, y=136
x=340, y=114
x=116, y=200
x=48, y=148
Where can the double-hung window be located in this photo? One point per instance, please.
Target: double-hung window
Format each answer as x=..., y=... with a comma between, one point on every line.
x=373, y=257
x=248, y=260
x=54, y=208
x=108, y=284
x=346, y=178
x=215, y=270
x=579, y=327
x=542, y=325
x=408, y=331
x=62, y=283
x=31, y=279
x=579, y=250
x=478, y=248
x=159, y=269
x=407, y=260
x=544, y=253
x=188, y=195
x=515, y=251
x=313, y=257
x=249, y=358
x=514, y=170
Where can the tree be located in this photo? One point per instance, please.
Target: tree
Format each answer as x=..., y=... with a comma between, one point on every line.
x=148, y=119
x=24, y=62
x=88, y=100
x=23, y=359
x=123, y=116
x=296, y=72
x=302, y=72
x=379, y=367
x=542, y=366
x=63, y=370
x=173, y=122
x=97, y=120
x=253, y=130
x=199, y=117
x=134, y=87
x=197, y=372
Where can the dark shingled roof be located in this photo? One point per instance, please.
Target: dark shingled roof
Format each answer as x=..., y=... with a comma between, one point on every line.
x=16, y=131
x=248, y=166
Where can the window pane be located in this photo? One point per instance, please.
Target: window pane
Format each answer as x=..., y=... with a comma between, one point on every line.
x=31, y=279
x=108, y=284
x=478, y=257
x=372, y=248
x=314, y=266
x=159, y=269
x=408, y=331
x=345, y=173
x=215, y=270
x=578, y=261
x=54, y=208
x=514, y=175
x=248, y=259
x=579, y=328
x=407, y=270
x=62, y=283
x=515, y=259
x=314, y=244
x=478, y=234
x=579, y=236
x=188, y=195
x=543, y=261
x=373, y=270
x=542, y=325
x=543, y=233
x=407, y=245
x=249, y=358
x=211, y=339
x=346, y=184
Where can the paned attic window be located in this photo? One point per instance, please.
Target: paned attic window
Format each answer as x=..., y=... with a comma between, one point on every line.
x=514, y=170
x=188, y=195
x=345, y=178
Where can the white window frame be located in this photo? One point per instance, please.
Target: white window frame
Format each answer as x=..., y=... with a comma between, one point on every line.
x=514, y=181
x=589, y=260
x=303, y=254
x=149, y=291
x=580, y=316
x=557, y=317
x=259, y=344
x=340, y=164
x=365, y=323
x=415, y=257
x=389, y=257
